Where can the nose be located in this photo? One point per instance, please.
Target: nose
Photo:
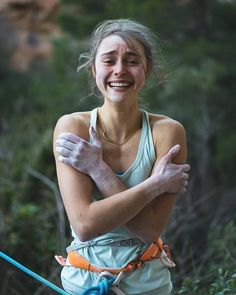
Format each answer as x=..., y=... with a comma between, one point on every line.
x=119, y=69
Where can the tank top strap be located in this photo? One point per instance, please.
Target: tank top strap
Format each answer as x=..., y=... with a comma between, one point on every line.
x=93, y=118
x=144, y=133
x=149, y=136
x=148, y=130
x=145, y=123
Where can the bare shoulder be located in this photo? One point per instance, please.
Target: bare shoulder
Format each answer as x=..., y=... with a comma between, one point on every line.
x=77, y=123
x=161, y=122
x=168, y=132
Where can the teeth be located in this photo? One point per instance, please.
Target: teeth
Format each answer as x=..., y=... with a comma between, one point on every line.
x=119, y=84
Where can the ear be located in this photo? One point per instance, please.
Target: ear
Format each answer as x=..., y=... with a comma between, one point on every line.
x=93, y=71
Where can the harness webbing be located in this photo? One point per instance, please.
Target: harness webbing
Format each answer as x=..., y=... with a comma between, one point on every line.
x=32, y=274
x=155, y=251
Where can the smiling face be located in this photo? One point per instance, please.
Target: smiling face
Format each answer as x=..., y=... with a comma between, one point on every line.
x=119, y=70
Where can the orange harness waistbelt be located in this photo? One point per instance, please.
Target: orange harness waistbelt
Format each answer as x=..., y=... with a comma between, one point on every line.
x=155, y=251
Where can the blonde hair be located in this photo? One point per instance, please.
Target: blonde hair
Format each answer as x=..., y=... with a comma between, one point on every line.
x=128, y=30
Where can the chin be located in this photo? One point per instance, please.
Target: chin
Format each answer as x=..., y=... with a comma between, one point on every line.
x=116, y=98
x=119, y=97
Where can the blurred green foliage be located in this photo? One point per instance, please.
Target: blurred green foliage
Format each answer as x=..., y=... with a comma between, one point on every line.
x=219, y=276
x=195, y=85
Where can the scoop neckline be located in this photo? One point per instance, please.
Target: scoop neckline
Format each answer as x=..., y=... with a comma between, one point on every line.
x=137, y=159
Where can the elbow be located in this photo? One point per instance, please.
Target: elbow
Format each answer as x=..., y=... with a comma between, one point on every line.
x=84, y=232
x=85, y=225
x=83, y=237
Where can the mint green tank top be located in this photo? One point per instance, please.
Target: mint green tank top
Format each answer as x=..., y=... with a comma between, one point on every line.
x=153, y=278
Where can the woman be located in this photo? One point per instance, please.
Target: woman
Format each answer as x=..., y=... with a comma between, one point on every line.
x=115, y=165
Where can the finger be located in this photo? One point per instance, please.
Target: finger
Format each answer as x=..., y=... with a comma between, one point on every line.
x=183, y=187
x=65, y=143
x=94, y=138
x=70, y=137
x=185, y=183
x=185, y=176
x=64, y=160
x=185, y=167
x=171, y=153
x=63, y=151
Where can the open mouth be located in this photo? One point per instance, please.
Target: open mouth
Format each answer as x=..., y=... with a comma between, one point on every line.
x=119, y=84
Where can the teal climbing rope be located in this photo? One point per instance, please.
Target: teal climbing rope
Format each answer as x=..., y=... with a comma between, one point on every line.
x=32, y=274
x=101, y=289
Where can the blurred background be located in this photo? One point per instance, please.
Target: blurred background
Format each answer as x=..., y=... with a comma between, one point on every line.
x=40, y=43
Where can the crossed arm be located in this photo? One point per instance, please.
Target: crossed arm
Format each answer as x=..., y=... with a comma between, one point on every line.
x=143, y=209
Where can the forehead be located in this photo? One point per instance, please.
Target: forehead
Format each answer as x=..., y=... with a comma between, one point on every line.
x=115, y=44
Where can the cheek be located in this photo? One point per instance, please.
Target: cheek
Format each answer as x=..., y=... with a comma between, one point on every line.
x=96, y=73
x=140, y=78
x=100, y=79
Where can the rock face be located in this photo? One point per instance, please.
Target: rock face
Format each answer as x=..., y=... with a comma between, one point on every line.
x=26, y=29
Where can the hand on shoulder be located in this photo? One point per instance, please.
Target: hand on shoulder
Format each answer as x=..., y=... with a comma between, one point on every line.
x=170, y=144
x=72, y=145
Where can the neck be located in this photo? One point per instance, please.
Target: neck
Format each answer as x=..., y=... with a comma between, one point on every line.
x=118, y=126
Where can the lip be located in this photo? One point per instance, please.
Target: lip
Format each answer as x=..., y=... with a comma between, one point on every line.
x=119, y=81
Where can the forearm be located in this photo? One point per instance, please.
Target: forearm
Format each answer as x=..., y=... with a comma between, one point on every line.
x=152, y=220
x=106, y=181
x=103, y=216
x=145, y=224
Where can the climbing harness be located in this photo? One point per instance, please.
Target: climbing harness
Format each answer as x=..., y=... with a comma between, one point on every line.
x=108, y=278
x=32, y=274
x=155, y=251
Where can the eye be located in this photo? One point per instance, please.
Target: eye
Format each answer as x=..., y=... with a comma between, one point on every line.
x=132, y=62
x=108, y=61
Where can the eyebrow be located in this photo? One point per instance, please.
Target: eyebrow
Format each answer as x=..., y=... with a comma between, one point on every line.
x=113, y=52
